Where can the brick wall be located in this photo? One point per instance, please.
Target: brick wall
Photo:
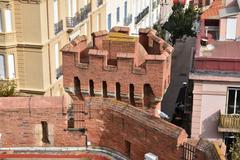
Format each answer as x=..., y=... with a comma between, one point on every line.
x=118, y=57
x=110, y=123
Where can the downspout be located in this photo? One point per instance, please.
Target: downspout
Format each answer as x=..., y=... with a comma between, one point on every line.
x=49, y=57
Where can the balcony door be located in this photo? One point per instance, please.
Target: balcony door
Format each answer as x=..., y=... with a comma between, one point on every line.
x=233, y=101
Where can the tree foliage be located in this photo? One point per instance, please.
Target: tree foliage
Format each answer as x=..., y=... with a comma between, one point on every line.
x=181, y=21
x=7, y=88
x=235, y=149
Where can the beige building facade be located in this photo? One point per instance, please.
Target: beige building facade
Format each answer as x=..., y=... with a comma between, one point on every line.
x=32, y=33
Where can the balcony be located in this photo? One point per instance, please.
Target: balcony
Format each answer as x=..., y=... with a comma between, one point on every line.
x=58, y=27
x=128, y=20
x=154, y=5
x=99, y=3
x=141, y=15
x=229, y=123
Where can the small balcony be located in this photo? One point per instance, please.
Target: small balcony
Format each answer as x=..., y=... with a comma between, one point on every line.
x=141, y=15
x=58, y=27
x=154, y=5
x=59, y=72
x=229, y=123
x=128, y=20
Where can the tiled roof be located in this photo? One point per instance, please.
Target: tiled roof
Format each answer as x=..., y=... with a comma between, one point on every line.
x=213, y=11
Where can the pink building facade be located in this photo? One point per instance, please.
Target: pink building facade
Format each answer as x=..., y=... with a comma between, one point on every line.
x=216, y=73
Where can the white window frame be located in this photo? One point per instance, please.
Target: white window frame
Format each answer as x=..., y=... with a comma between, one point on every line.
x=3, y=67
x=69, y=8
x=231, y=28
x=235, y=98
x=11, y=66
x=8, y=20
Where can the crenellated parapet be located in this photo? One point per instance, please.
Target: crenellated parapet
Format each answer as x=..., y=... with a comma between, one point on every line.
x=140, y=65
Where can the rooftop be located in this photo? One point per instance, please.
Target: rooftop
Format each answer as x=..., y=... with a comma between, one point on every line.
x=213, y=11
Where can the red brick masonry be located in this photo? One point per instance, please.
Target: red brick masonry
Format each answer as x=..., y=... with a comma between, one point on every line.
x=110, y=123
x=143, y=62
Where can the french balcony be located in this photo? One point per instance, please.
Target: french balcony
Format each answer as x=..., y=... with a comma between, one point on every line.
x=58, y=27
x=154, y=5
x=229, y=123
x=128, y=20
x=141, y=15
x=72, y=21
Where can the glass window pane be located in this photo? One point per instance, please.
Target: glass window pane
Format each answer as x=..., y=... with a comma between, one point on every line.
x=0, y=21
x=8, y=20
x=55, y=9
x=231, y=98
x=2, y=67
x=238, y=103
x=11, y=66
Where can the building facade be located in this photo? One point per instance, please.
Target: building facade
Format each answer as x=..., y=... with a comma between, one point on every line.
x=31, y=34
x=137, y=13
x=216, y=94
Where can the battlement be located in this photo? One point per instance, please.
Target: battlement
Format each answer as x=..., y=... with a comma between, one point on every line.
x=115, y=56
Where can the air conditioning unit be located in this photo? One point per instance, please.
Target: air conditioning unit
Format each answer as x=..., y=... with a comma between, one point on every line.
x=150, y=156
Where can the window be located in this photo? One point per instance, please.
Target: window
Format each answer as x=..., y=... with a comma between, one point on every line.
x=131, y=94
x=128, y=148
x=77, y=86
x=91, y=86
x=98, y=22
x=118, y=91
x=74, y=8
x=0, y=21
x=11, y=66
x=8, y=20
x=104, y=85
x=231, y=28
x=118, y=14
x=2, y=67
x=233, y=106
x=69, y=8
x=55, y=9
x=125, y=9
x=45, y=138
x=109, y=22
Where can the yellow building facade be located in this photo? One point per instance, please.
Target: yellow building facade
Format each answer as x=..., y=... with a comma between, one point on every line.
x=33, y=31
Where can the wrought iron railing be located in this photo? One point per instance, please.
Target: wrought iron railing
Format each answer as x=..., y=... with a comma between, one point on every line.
x=128, y=20
x=59, y=72
x=230, y=121
x=58, y=27
x=141, y=15
x=154, y=5
x=79, y=17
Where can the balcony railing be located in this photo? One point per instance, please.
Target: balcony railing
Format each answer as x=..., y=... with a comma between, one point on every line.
x=229, y=123
x=154, y=5
x=99, y=2
x=128, y=20
x=79, y=17
x=141, y=15
x=58, y=27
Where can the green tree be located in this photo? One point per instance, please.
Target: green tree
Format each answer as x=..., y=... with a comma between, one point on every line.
x=235, y=149
x=181, y=21
x=7, y=88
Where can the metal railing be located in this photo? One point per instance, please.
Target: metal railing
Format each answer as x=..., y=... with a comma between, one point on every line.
x=79, y=17
x=58, y=27
x=230, y=121
x=99, y=2
x=141, y=15
x=128, y=20
x=154, y=5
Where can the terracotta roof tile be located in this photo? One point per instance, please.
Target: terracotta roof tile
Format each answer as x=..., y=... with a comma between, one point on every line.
x=213, y=11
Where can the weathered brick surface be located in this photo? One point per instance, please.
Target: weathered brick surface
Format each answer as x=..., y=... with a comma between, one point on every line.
x=118, y=57
x=110, y=124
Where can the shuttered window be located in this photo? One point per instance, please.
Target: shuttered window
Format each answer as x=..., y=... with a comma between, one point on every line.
x=8, y=20
x=11, y=66
x=2, y=67
x=231, y=28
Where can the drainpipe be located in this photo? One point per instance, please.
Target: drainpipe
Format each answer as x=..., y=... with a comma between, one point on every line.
x=49, y=57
